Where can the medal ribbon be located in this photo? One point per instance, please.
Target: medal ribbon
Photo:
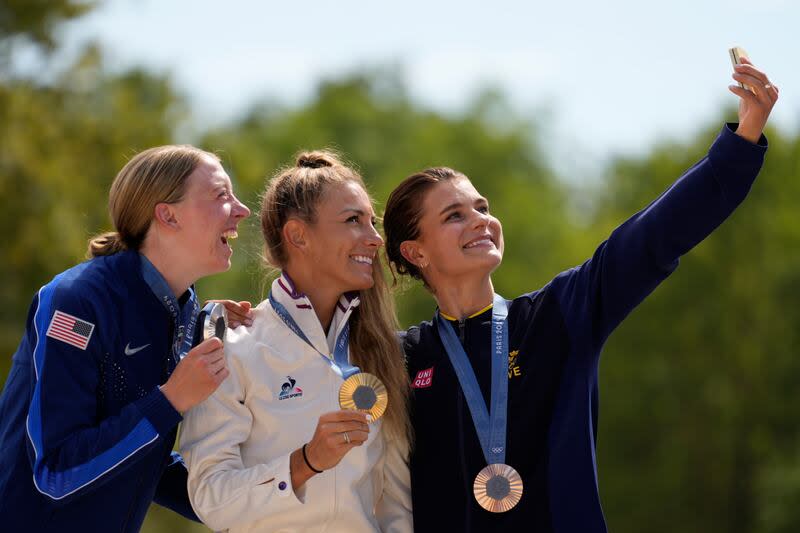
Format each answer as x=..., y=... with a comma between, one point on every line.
x=339, y=363
x=184, y=318
x=491, y=426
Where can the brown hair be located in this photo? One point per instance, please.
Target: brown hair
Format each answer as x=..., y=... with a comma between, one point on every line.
x=153, y=176
x=374, y=346
x=404, y=210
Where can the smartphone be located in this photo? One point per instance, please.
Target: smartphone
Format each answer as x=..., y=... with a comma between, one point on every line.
x=737, y=53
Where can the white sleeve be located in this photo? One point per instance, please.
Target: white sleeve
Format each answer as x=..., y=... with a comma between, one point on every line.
x=393, y=508
x=222, y=491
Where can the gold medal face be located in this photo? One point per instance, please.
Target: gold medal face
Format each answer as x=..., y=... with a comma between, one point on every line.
x=364, y=392
x=215, y=322
x=498, y=488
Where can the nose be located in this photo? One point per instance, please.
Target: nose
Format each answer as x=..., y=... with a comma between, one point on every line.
x=373, y=238
x=240, y=210
x=480, y=219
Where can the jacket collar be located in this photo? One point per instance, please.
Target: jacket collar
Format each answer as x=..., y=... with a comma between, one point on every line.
x=299, y=307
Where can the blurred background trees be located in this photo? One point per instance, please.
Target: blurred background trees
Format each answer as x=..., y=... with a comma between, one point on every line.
x=698, y=426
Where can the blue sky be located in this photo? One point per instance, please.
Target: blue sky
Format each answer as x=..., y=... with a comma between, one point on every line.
x=612, y=76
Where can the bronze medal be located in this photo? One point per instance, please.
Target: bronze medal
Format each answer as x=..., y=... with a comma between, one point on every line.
x=498, y=488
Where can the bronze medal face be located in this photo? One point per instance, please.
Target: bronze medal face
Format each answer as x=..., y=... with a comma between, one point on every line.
x=215, y=321
x=498, y=488
x=364, y=392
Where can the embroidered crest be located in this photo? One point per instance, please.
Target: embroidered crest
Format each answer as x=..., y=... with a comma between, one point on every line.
x=423, y=380
x=514, y=369
x=70, y=329
x=288, y=390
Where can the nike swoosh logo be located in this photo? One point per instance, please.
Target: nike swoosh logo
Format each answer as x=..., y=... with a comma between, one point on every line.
x=131, y=351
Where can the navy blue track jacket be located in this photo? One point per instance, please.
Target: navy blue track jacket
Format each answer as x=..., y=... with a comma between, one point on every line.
x=555, y=338
x=86, y=436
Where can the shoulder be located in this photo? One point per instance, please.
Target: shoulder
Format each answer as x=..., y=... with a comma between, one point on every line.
x=418, y=336
x=240, y=343
x=87, y=288
x=419, y=343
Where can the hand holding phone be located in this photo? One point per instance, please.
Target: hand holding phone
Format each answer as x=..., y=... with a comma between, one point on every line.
x=737, y=53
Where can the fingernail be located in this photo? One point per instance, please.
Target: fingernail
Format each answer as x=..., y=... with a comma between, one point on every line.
x=248, y=322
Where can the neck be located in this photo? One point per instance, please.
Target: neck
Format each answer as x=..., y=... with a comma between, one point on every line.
x=463, y=298
x=323, y=298
x=178, y=282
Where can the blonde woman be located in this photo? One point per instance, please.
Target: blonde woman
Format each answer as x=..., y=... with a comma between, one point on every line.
x=90, y=410
x=271, y=450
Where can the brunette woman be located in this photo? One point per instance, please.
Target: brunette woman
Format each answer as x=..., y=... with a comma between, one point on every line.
x=505, y=395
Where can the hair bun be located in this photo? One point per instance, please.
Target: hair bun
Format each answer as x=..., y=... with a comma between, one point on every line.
x=316, y=159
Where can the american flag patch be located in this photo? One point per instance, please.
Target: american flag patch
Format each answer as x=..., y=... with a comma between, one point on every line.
x=70, y=329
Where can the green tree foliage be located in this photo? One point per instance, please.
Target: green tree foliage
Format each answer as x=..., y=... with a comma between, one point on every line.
x=34, y=22
x=60, y=147
x=698, y=426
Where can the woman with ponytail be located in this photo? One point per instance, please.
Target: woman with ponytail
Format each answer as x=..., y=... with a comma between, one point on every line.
x=271, y=449
x=106, y=368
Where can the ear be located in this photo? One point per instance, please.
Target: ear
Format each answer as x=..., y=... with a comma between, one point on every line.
x=413, y=252
x=165, y=215
x=294, y=234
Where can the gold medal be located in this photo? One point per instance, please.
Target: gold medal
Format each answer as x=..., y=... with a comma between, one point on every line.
x=364, y=392
x=498, y=488
x=214, y=321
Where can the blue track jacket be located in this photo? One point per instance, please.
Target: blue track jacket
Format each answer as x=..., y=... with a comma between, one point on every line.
x=555, y=337
x=86, y=436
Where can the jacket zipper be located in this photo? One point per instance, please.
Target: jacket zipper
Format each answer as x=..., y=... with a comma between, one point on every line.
x=465, y=471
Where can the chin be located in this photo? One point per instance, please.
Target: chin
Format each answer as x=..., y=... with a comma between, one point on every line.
x=360, y=282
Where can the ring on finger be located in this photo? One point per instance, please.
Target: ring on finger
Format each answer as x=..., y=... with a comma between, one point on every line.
x=346, y=438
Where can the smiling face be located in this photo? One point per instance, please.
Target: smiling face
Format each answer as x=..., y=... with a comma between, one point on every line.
x=342, y=241
x=207, y=218
x=458, y=237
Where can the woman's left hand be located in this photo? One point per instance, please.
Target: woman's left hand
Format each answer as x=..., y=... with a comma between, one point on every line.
x=238, y=312
x=756, y=105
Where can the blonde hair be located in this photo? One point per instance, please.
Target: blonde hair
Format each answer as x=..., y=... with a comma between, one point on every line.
x=151, y=177
x=374, y=346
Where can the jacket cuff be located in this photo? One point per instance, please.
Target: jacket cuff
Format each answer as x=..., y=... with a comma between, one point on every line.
x=157, y=409
x=282, y=485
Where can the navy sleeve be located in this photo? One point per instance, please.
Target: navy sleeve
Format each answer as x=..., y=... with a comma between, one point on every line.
x=645, y=249
x=172, y=492
x=72, y=449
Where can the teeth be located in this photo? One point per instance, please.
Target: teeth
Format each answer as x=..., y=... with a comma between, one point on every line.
x=362, y=259
x=476, y=243
x=230, y=234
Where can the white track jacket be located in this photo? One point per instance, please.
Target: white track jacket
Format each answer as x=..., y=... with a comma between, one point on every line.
x=237, y=443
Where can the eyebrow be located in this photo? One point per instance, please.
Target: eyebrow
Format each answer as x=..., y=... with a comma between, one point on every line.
x=359, y=212
x=450, y=207
x=456, y=205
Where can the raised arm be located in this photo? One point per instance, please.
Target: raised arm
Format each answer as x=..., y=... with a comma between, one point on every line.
x=645, y=249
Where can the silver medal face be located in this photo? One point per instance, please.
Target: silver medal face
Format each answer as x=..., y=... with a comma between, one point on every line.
x=498, y=488
x=215, y=320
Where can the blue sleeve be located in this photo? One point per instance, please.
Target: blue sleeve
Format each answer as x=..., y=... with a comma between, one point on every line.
x=172, y=492
x=72, y=449
x=645, y=249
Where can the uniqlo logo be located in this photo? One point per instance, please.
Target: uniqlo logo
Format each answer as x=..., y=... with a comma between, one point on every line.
x=423, y=380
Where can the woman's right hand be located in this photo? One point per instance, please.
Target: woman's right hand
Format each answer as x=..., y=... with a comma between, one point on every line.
x=337, y=433
x=197, y=375
x=756, y=104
